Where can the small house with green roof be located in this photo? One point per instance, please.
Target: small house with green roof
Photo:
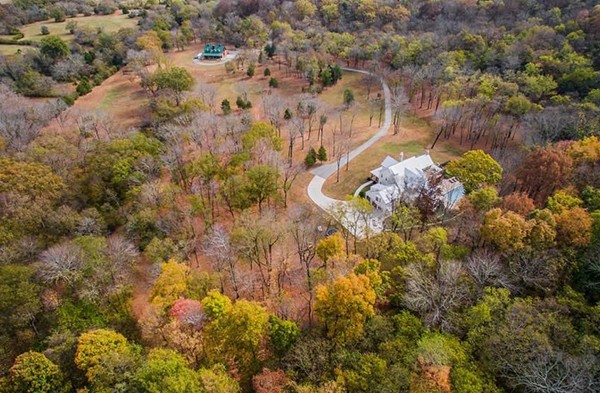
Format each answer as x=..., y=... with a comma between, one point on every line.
x=213, y=52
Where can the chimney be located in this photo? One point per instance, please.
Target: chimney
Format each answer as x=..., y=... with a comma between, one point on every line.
x=401, y=156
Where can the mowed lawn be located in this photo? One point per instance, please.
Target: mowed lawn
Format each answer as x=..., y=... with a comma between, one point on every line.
x=108, y=23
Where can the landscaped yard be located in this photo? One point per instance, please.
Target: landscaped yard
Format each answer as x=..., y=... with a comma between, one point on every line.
x=414, y=138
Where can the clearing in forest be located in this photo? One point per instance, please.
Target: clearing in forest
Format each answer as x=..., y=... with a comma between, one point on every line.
x=108, y=24
x=33, y=31
x=121, y=99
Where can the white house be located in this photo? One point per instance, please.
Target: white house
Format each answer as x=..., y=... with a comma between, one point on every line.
x=403, y=180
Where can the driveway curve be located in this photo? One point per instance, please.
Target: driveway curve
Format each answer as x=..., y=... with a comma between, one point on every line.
x=322, y=173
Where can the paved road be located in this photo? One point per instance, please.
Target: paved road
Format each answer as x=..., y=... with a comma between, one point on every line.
x=323, y=172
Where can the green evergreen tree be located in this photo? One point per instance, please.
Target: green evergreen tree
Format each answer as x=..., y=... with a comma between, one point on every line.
x=270, y=50
x=84, y=86
x=311, y=158
x=250, y=70
x=267, y=72
x=348, y=98
x=322, y=154
x=226, y=106
x=273, y=83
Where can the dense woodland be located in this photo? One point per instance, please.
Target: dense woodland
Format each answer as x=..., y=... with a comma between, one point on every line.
x=173, y=258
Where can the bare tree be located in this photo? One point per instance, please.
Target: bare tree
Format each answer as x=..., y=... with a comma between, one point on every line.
x=255, y=242
x=61, y=263
x=218, y=247
x=58, y=108
x=399, y=105
x=540, y=271
x=274, y=108
x=20, y=119
x=435, y=296
x=371, y=80
x=486, y=269
x=304, y=230
x=208, y=95
x=322, y=122
x=121, y=254
x=98, y=124
x=551, y=371
x=341, y=147
x=295, y=129
x=548, y=125
x=288, y=174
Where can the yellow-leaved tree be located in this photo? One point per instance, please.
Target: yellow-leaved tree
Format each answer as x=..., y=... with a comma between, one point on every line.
x=344, y=306
x=170, y=285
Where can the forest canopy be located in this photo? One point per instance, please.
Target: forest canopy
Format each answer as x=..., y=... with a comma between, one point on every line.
x=175, y=249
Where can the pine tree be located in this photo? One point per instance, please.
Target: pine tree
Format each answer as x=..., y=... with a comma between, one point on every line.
x=311, y=158
x=250, y=70
x=322, y=154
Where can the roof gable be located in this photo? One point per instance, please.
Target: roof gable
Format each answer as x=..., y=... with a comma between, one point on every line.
x=412, y=164
x=213, y=49
x=388, y=162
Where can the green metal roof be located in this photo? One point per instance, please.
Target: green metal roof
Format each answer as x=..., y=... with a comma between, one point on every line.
x=213, y=50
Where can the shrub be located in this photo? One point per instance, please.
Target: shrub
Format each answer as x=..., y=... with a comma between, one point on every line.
x=67, y=99
x=273, y=83
x=250, y=70
x=267, y=72
x=84, y=86
x=226, y=106
x=34, y=84
x=243, y=103
x=71, y=26
x=45, y=30
x=57, y=13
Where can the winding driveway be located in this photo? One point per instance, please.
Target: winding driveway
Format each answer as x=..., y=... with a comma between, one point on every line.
x=322, y=173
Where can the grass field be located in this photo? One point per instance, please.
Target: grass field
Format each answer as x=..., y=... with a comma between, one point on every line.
x=9, y=50
x=109, y=23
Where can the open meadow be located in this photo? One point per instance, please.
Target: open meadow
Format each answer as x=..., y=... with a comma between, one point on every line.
x=33, y=31
x=108, y=23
